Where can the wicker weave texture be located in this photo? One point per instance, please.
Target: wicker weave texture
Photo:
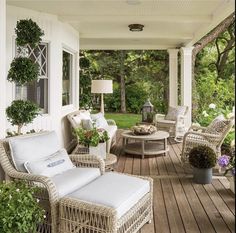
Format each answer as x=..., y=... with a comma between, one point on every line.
x=84, y=217
x=48, y=194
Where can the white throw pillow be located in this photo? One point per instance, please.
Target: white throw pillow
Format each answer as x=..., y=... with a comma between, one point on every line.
x=99, y=120
x=32, y=147
x=83, y=115
x=87, y=124
x=52, y=165
x=174, y=112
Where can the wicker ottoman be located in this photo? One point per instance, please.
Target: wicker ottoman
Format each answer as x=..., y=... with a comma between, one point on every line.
x=113, y=203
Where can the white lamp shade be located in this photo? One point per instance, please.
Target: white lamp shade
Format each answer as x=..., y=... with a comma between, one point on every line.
x=101, y=86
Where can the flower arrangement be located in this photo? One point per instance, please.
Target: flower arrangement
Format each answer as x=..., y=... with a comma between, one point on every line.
x=19, y=209
x=227, y=162
x=91, y=137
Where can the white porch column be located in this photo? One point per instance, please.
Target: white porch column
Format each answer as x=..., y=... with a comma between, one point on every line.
x=2, y=74
x=186, y=81
x=173, y=77
x=2, y=68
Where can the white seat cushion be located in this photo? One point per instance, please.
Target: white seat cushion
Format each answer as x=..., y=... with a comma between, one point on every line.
x=73, y=179
x=114, y=190
x=32, y=147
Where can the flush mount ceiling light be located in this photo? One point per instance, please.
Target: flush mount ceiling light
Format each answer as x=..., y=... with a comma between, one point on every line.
x=136, y=27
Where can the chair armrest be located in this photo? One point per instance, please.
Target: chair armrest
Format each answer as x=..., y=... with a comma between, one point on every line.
x=87, y=160
x=43, y=180
x=110, y=122
x=196, y=128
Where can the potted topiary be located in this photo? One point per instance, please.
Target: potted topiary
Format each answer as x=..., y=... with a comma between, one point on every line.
x=21, y=112
x=19, y=209
x=202, y=159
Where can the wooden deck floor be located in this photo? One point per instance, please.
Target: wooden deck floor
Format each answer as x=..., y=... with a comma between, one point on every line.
x=179, y=204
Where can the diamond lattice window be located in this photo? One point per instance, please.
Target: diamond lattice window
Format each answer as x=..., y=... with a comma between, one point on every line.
x=36, y=91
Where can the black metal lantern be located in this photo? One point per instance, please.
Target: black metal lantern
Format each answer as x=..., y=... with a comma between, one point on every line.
x=147, y=112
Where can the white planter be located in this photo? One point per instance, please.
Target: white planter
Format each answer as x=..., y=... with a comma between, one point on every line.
x=232, y=183
x=99, y=150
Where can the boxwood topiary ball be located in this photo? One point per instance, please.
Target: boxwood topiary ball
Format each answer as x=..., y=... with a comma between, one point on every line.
x=28, y=32
x=23, y=70
x=202, y=157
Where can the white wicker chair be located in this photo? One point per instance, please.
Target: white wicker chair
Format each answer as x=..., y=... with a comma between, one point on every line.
x=198, y=135
x=176, y=128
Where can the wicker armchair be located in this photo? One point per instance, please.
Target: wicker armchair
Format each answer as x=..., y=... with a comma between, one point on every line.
x=198, y=135
x=48, y=194
x=176, y=128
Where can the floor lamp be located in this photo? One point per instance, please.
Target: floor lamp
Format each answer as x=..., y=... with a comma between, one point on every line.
x=102, y=87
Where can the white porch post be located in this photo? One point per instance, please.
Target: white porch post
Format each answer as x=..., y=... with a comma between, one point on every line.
x=186, y=81
x=173, y=77
x=2, y=68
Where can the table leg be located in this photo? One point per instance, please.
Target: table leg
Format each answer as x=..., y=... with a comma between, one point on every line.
x=142, y=143
x=165, y=146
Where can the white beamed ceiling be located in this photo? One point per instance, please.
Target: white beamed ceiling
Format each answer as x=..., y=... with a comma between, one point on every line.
x=103, y=24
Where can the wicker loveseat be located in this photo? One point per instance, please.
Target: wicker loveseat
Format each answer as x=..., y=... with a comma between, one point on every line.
x=76, y=118
x=61, y=195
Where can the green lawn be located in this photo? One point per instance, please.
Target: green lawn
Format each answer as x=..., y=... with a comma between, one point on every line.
x=124, y=121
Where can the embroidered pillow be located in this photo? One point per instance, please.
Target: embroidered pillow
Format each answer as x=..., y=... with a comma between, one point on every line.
x=174, y=112
x=52, y=165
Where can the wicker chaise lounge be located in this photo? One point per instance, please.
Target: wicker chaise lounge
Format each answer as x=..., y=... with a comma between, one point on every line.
x=67, y=210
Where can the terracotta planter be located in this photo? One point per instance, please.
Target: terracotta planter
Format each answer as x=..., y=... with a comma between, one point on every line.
x=232, y=183
x=202, y=176
x=99, y=150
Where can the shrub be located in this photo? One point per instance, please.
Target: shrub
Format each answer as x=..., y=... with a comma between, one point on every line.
x=22, y=112
x=202, y=157
x=28, y=32
x=23, y=70
x=19, y=209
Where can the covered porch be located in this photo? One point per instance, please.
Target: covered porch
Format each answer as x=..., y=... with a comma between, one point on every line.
x=179, y=205
x=73, y=25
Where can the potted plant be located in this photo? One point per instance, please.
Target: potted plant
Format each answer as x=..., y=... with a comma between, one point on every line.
x=202, y=159
x=227, y=162
x=95, y=139
x=21, y=112
x=19, y=209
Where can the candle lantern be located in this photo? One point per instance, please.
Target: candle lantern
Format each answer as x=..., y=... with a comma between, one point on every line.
x=147, y=112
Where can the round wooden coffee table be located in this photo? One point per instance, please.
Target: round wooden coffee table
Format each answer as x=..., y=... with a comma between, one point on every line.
x=152, y=144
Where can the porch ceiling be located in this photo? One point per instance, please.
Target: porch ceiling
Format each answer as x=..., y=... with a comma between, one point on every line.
x=103, y=24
